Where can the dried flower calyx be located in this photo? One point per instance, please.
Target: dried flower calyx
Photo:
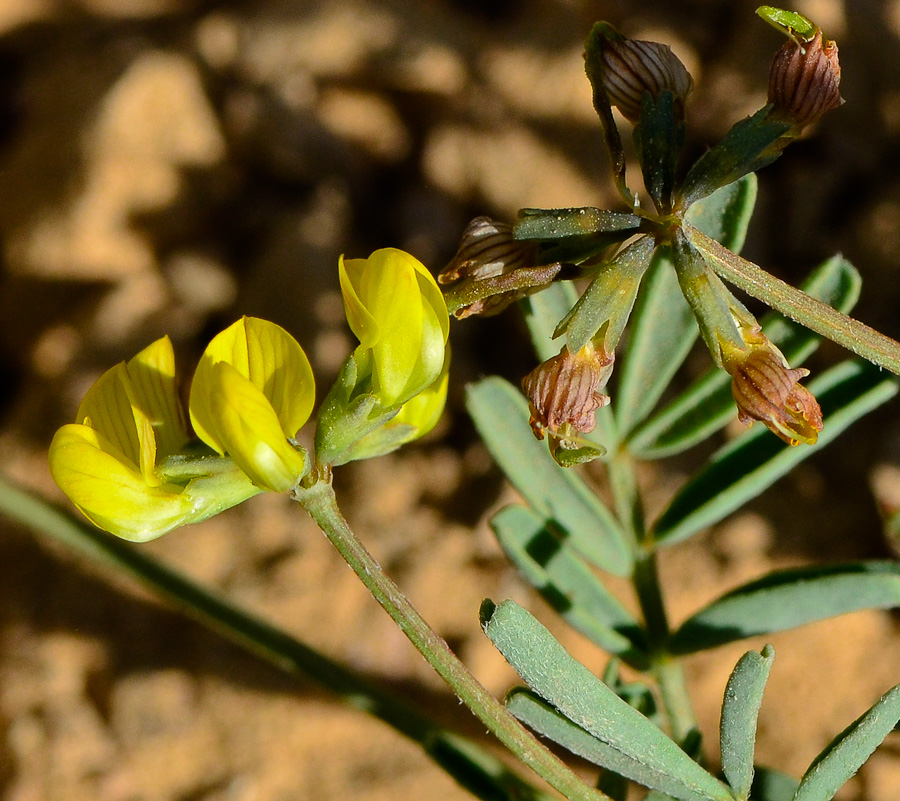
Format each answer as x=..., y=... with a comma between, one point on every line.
x=564, y=392
x=804, y=80
x=632, y=67
x=492, y=269
x=766, y=389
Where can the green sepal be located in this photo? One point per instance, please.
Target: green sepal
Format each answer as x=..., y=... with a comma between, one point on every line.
x=591, y=718
x=795, y=26
x=568, y=585
x=707, y=405
x=659, y=138
x=785, y=599
x=847, y=753
x=754, y=461
x=609, y=298
x=663, y=328
x=500, y=413
x=344, y=418
x=740, y=711
x=750, y=145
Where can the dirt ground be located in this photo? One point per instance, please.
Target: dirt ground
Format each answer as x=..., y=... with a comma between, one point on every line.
x=167, y=165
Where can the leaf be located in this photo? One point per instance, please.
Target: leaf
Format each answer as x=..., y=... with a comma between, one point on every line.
x=725, y=214
x=609, y=298
x=543, y=311
x=663, y=328
x=850, y=749
x=558, y=224
x=750, y=145
x=785, y=599
x=707, y=406
x=772, y=785
x=568, y=584
x=740, y=710
x=627, y=742
x=501, y=416
x=658, y=139
x=754, y=461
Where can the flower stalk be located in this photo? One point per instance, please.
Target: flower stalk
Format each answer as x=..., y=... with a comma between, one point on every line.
x=319, y=501
x=796, y=304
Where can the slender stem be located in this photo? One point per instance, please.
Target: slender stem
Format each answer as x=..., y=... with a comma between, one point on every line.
x=666, y=669
x=797, y=305
x=319, y=501
x=475, y=769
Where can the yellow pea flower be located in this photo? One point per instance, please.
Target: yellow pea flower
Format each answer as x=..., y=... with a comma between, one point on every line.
x=397, y=312
x=252, y=391
x=109, y=463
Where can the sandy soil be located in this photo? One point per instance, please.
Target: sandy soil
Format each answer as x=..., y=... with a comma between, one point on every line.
x=167, y=165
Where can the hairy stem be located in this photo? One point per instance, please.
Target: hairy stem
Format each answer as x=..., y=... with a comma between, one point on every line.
x=796, y=304
x=320, y=502
x=475, y=769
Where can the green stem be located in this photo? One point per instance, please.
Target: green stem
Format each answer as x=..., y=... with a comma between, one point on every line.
x=320, y=502
x=666, y=669
x=476, y=770
x=797, y=305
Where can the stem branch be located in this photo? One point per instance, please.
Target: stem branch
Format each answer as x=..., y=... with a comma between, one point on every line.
x=319, y=501
x=797, y=305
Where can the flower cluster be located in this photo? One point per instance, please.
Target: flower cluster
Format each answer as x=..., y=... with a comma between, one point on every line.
x=132, y=466
x=649, y=87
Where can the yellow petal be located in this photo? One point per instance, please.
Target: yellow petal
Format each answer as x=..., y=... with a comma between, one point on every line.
x=249, y=431
x=362, y=323
x=390, y=290
x=154, y=392
x=267, y=356
x=107, y=408
x=425, y=409
x=112, y=493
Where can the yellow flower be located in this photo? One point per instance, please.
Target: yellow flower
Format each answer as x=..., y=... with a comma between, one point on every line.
x=109, y=462
x=252, y=391
x=397, y=312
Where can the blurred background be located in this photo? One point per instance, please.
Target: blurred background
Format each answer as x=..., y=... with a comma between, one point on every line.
x=168, y=165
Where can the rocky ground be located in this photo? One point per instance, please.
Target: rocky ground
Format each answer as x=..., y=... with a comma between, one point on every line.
x=167, y=165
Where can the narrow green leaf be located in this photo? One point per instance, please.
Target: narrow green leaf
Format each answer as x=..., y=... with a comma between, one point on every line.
x=750, y=145
x=772, y=785
x=740, y=710
x=850, y=749
x=549, y=224
x=568, y=584
x=658, y=140
x=754, y=461
x=501, y=416
x=707, y=406
x=548, y=722
x=785, y=599
x=609, y=297
x=725, y=214
x=642, y=751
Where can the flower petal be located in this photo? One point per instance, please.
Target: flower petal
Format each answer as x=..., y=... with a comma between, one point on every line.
x=249, y=431
x=269, y=358
x=151, y=375
x=107, y=408
x=362, y=323
x=112, y=493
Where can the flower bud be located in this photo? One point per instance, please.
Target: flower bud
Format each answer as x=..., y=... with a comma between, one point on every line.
x=804, y=81
x=563, y=392
x=766, y=389
x=632, y=67
x=488, y=252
